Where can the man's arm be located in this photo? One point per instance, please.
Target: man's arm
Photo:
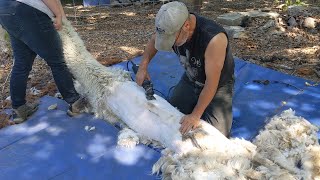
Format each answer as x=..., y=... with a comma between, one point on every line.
x=148, y=54
x=55, y=7
x=214, y=61
x=61, y=9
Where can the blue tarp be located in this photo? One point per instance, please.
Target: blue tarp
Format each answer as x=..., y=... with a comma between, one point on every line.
x=254, y=102
x=52, y=145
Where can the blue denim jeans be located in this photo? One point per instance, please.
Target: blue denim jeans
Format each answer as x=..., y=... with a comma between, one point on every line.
x=32, y=32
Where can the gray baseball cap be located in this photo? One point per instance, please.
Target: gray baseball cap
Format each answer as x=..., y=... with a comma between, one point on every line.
x=169, y=21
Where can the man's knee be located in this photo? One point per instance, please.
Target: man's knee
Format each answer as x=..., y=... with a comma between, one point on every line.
x=181, y=105
x=183, y=97
x=221, y=121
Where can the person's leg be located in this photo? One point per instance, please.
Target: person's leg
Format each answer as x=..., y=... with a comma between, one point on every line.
x=219, y=111
x=40, y=35
x=23, y=55
x=23, y=60
x=184, y=97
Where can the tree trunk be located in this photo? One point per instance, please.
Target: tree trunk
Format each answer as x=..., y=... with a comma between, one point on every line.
x=193, y=5
x=197, y=4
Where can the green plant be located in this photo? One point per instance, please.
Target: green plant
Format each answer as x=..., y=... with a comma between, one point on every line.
x=288, y=3
x=294, y=2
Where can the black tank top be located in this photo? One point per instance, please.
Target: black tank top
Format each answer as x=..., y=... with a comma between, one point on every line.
x=191, y=54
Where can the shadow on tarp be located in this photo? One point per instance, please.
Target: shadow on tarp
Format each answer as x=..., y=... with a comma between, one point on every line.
x=307, y=105
x=52, y=145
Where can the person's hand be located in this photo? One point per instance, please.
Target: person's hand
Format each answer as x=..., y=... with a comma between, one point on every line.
x=58, y=22
x=141, y=75
x=189, y=122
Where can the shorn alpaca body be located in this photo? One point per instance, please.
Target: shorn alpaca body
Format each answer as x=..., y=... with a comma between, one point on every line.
x=202, y=154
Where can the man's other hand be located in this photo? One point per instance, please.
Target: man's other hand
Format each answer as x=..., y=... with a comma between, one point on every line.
x=189, y=122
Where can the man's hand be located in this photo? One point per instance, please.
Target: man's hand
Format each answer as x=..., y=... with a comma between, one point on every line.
x=189, y=122
x=58, y=23
x=141, y=75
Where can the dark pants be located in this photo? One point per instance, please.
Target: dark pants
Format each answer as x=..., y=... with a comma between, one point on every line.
x=31, y=33
x=219, y=111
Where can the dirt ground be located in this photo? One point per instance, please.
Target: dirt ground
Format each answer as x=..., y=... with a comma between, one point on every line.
x=116, y=34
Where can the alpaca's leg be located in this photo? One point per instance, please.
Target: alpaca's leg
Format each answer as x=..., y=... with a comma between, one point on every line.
x=127, y=138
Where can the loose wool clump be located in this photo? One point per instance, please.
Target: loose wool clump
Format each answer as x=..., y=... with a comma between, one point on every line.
x=287, y=148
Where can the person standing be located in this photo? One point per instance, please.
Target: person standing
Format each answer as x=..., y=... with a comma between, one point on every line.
x=32, y=32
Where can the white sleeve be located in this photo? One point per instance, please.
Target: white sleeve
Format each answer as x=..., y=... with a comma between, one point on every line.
x=38, y=4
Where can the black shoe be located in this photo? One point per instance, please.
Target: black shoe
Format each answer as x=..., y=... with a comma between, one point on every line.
x=21, y=113
x=78, y=107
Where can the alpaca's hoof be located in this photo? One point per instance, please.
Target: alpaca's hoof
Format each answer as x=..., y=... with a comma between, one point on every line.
x=127, y=138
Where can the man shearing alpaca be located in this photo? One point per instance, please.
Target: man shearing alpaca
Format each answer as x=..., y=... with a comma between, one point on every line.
x=206, y=88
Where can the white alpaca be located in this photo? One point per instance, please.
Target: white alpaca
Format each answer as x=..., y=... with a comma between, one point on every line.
x=113, y=96
x=202, y=154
